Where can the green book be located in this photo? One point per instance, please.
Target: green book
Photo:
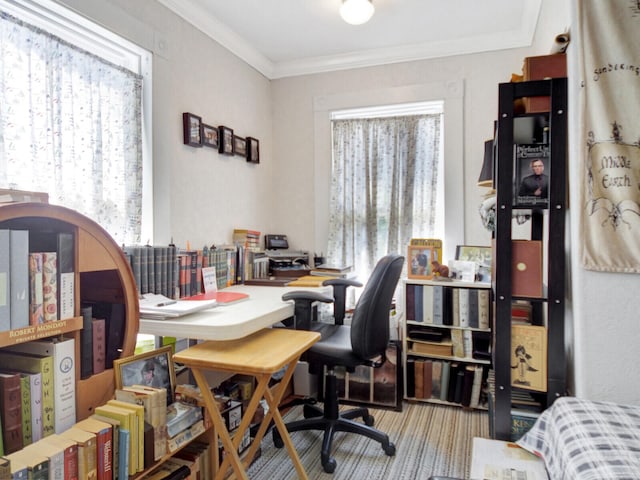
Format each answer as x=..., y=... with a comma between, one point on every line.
x=25, y=398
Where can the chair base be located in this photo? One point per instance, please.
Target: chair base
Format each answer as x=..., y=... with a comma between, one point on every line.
x=330, y=421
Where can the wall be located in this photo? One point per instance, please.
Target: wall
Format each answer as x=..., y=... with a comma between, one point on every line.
x=200, y=196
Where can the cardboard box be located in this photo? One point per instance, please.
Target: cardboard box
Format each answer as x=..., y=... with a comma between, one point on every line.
x=540, y=68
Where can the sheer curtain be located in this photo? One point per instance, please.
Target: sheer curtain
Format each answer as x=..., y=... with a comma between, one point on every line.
x=383, y=187
x=70, y=125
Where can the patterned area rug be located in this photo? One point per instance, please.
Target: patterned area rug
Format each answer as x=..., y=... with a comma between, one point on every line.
x=430, y=440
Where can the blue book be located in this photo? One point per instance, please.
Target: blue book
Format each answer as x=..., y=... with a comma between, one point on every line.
x=123, y=447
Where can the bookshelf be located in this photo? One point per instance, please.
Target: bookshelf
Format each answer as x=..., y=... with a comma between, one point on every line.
x=102, y=274
x=446, y=328
x=531, y=269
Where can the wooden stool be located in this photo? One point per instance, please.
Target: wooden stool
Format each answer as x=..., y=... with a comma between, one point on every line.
x=260, y=355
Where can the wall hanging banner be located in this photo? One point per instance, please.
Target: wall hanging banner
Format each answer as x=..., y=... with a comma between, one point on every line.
x=610, y=101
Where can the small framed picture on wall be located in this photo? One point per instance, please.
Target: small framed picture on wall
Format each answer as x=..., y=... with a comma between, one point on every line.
x=239, y=146
x=253, y=150
x=226, y=140
x=209, y=136
x=191, y=129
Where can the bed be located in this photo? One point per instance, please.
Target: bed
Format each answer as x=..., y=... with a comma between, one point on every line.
x=587, y=440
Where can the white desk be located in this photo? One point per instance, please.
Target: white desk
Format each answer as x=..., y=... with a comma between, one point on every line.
x=263, y=308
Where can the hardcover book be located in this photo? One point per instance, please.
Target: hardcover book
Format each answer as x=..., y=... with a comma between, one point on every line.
x=50, y=286
x=35, y=396
x=128, y=422
x=25, y=404
x=104, y=445
x=137, y=429
x=87, y=451
x=529, y=357
x=11, y=412
x=70, y=455
x=36, y=309
x=19, y=240
x=36, y=364
x=180, y=416
x=5, y=281
x=526, y=268
x=98, y=330
x=115, y=442
x=37, y=465
x=54, y=454
x=86, y=342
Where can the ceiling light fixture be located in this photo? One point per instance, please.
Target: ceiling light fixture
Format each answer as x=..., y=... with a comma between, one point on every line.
x=356, y=12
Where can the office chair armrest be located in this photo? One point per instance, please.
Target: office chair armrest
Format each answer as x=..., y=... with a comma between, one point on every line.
x=340, y=296
x=303, y=311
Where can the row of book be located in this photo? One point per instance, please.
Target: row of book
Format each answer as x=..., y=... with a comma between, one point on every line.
x=453, y=342
x=453, y=306
x=39, y=285
x=102, y=335
x=446, y=381
x=37, y=391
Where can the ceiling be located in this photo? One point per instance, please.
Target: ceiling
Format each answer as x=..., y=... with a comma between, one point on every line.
x=282, y=38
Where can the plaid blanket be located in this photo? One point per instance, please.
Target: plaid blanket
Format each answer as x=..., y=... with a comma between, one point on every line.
x=585, y=440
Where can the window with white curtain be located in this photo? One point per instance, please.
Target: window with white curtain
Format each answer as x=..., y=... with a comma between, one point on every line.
x=71, y=114
x=386, y=182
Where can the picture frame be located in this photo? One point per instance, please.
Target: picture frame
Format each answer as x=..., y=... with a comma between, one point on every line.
x=240, y=146
x=527, y=179
x=192, y=129
x=209, y=136
x=481, y=256
x=529, y=357
x=419, y=258
x=225, y=136
x=253, y=150
x=134, y=370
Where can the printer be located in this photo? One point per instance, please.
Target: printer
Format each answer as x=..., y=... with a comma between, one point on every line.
x=282, y=260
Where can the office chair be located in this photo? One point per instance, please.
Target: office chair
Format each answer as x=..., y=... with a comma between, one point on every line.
x=364, y=342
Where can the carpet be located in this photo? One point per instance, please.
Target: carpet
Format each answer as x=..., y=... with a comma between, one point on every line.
x=430, y=440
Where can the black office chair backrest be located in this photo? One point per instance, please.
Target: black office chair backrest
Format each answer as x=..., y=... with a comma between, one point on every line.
x=370, y=322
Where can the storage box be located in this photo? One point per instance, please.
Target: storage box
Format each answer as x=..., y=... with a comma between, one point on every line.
x=305, y=384
x=232, y=415
x=540, y=68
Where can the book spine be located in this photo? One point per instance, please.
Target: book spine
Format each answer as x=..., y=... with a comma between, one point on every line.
x=474, y=320
x=98, y=327
x=464, y=307
x=11, y=412
x=36, y=309
x=185, y=436
x=19, y=248
x=66, y=276
x=483, y=309
x=36, y=405
x=5, y=281
x=86, y=343
x=50, y=286
x=123, y=454
x=25, y=399
x=438, y=304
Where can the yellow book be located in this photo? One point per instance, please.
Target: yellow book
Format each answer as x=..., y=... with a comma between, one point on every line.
x=139, y=411
x=87, y=452
x=55, y=454
x=127, y=419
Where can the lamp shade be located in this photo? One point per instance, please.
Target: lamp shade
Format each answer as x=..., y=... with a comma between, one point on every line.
x=356, y=12
x=486, y=174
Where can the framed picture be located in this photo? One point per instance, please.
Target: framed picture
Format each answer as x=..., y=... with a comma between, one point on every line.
x=481, y=256
x=153, y=368
x=253, y=150
x=191, y=129
x=531, y=175
x=529, y=357
x=209, y=136
x=420, y=258
x=240, y=146
x=226, y=140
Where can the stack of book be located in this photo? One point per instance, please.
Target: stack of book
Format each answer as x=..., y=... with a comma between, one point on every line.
x=337, y=271
x=184, y=423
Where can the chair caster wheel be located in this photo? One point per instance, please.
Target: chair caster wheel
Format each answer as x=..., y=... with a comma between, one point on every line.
x=369, y=420
x=277, y=440
x=329, y=466
x=390, y=449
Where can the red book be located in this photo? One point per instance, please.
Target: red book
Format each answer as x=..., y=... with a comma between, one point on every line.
x=104, y=445
x=70, y=455
x=11, y=411
x=98, y=329
x=221, y=297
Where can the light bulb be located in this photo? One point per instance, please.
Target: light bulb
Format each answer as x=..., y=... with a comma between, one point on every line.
x=356, y=12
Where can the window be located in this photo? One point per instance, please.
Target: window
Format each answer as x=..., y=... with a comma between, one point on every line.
x=75, y=101
x=386, y=181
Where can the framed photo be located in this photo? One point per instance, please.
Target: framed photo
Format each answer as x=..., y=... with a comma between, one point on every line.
x=240, y=146
x=209, y=136
x=531, y=175
x=191, y=129
x=253, y=150
x=529, y=357
x=153, y=368
x=481, y=256
x=420, y=258
x=226, y=140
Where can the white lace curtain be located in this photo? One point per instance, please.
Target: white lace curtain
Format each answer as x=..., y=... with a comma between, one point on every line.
x=383, y=187
x=70, y=125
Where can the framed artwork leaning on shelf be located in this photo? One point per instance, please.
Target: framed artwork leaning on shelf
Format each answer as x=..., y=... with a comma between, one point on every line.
x=529, y=357
x=481, y=256
x=153, y=368
x=420, y=258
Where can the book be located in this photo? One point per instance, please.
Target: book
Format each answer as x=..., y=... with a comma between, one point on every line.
x=37, y=465
x=129, y=423
x=427, y=378
x=455, y=307
x=87, y=452
x=180, y=416
x=5, y=280
x=526, y=268
x=115, y=442
x=54, y=454
x=484, y=305
x=463, y=306
x=474, y=317
x=495, y=459
x=169, y=471
x=20, y=315
x=11, y=412
x=137, y=430
x=457, y=346
x=444, y=384
x=49, y=286
x=104, y=441
x=62, y=350
x=149, y=445
x=70, y=455
x=35, y=396
x=5, y=468
x=418, y=371
x=17, y=468
x=531, y=175
x=98, y=330
x=410, y=374
x=521, y=422
x=185, y=436
x=36, y=364
x=86, y=342
x=115, y=327
x=443, y=348
x=36, y=305
x=428, y=306
x=25, y=403
x=529, y=357
x=436, y=378
x=123, y=448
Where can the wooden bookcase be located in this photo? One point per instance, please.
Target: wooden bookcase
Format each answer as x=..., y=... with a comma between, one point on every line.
x=544, y=223
x=417, y=327
x=102, y=273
